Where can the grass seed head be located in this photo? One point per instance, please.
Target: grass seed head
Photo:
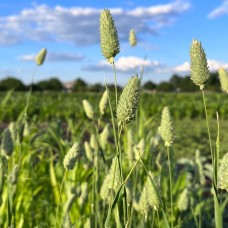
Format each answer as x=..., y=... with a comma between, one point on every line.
x=166, y=128
x=88, y=151
x=40, y=57
x=109, y=41
x=71, y=157
x=223, y=173
x=7, y=145
x=198, y=64
x=183, y=201
x=93, y=142
x=88, y=109
x=139, y=149
x=128, y=101
x=132, y=38
x=223, y=77
x=104, y=137
x=103, y=102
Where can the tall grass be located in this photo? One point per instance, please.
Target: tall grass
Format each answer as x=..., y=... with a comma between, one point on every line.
x=119, y=176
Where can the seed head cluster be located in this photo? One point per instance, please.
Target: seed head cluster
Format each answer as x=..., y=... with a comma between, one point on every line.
x=128, y=101
x=132, y=38
x=166, y=128
x=71, y=157
x=198, y=64
x=109, y=40
x=40, y=57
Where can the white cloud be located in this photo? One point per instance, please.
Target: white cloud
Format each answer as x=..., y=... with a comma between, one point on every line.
x=130, y=64
x=53, y=56
x=214, y=65
x=219, y=11
x=80, y=26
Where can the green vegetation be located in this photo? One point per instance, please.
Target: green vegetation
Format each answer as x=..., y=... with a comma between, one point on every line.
x=115, y=160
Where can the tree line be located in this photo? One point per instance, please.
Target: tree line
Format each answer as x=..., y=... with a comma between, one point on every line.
x=176, y=83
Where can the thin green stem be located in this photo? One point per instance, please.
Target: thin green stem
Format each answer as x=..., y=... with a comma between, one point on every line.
x=208, y=128
x=59, y=200
x=170, y=185
x=115, y=82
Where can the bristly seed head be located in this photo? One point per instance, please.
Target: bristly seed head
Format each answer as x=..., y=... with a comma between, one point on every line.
x=40, y=57
x=128, y=101
x=88, y=109
x=7, y=146
x=223, y=77
x=108, y=36
x=223, y=173
x=132, y=38
x=103, y=102
x=198, y=64
x=166, y=128
x=71, y=157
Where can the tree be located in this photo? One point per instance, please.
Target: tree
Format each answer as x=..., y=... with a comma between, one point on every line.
x=53, y=84
x=165, y=87
x=149, y=85
x=12, y=83
x=79, y=85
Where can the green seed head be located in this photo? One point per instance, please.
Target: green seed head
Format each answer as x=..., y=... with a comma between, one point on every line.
x=103, y=102
x=139, y=149
x=198, y=64
x=71, y=157
x=223, y=77
x=104, y=137
x=108, y=36
x=132, y=38
x=88, y=109
x=183, y=201
x=153, y=193
x=40, y=57
x=128, y=101
x=166, y=128
x=223, y=173
x=88, y=151
x=7, y=146
x=93, y=142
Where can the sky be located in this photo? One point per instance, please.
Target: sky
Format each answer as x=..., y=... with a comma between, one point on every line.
x=69, y=30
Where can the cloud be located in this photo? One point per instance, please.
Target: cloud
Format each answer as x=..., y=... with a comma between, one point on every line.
x=80, y=26
x=130, y=64
x=54, y=57
x=214, y=65
x=219, y=11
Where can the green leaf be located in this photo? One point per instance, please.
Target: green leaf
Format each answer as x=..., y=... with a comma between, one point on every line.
x=165, y=220
x=218, y=214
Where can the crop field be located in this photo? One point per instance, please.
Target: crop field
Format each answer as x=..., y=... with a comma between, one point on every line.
x=128, y=159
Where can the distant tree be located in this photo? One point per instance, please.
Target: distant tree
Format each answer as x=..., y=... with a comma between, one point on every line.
x=42, y=85
x=149, y=85
x=53, y=84
x=176, y=81
x=96, y=88
x=79, y=85
x=165, y=87
x=11, y=83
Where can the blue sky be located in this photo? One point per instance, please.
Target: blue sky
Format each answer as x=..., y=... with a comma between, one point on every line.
x=70, y=32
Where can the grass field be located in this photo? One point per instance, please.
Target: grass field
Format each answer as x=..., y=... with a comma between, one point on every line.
x=115, y=160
